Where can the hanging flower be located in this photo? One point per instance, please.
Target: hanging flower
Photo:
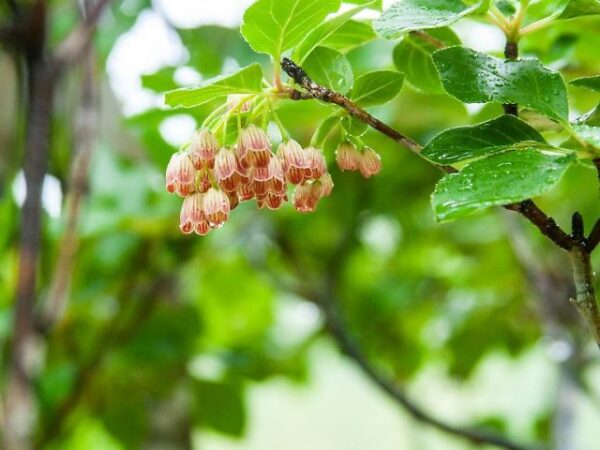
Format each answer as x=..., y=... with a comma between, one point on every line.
x=369, y=162
x=180, y=176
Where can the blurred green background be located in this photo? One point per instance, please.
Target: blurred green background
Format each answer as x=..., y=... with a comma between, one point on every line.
x=223, y=342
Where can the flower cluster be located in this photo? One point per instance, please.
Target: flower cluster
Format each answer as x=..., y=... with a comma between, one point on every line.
x=213, y=180
x=366, y=160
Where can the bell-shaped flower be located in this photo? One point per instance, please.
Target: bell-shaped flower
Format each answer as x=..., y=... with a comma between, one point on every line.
x=254, y=147
x=203, y=148
x=180, y=175
x=369, y=162
x=347, y=156
x=216, y=207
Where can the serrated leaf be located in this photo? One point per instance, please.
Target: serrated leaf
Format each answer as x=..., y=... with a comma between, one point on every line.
x=413, y=56
x=484, y=139
x=350, y=35
x=498, y=180
x=377, y=87
x=329, y=68
x=323, y=31
x=588, y=82
x=474, y=77
x=577, y=8
x=244, y=81
x=408, y=15
x=274, y=26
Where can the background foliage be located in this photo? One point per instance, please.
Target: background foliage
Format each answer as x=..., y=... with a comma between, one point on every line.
x=168, y=339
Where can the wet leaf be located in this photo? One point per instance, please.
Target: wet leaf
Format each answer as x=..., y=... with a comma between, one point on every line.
x=484, y=139
x=329, y=68
x=475, y=77
x=413, y=57
x=408, y=15
x=498, y=180
x=350, y=35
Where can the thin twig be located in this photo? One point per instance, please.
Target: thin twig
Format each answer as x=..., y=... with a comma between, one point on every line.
x=72, y=47
x=85, y=126
x=327, y=301
x=351, y=349
x=547, y=226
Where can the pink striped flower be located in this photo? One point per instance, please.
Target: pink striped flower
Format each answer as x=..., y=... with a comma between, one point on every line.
x=347, y=156
x=317, y=163
x=180, y=176
x=192, y=213
x=308, y=194
x=228, y=172
x=203, y=148
x=216, y=207
x=254, y=147
x=369, y=162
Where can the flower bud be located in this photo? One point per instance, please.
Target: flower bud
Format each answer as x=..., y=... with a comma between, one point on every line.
x=369, y=162
x=202, y=149
x=347, y=156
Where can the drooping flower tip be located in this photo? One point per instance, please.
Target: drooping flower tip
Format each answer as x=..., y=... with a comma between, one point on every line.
x=347, y=156
x=216, y=207
x=180, y=175
x=192, y=214
x=369, y=162
x=254, y=148
x=203, y=148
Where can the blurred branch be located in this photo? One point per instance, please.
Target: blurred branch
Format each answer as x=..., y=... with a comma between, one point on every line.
x=325, y=298
x=73, y=46
x=115, y=333
x=427, y=38
x=85, y=126
x=527, y=208
x=349, y=347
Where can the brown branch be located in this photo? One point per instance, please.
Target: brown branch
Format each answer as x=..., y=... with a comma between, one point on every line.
x=351, y=349
x=326, y=300
x=547, y=226
x=73, y=46
x=85, y=126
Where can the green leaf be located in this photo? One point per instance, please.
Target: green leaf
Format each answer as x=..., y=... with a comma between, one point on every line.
x=274, y=26
x=329, y=68
x=377, y=87
x=487, y=138
x=325, y=128
x=160, y=81
x=498, y=180
x=323, y=31
x=413, y=57
x=408, y=15
x=219, y=406
x=375, y=4
x=588, y=133
x=577, y=8
x=476, y=77
x=350, y=35
x=588, y=82
x=244, y=81
x=353, y=126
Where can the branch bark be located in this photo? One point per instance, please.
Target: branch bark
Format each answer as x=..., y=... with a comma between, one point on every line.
x=527, y=208
x=73, y=46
